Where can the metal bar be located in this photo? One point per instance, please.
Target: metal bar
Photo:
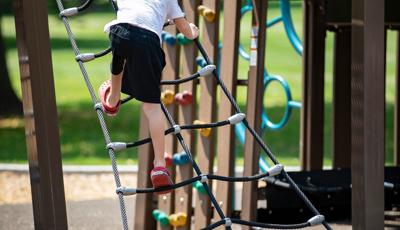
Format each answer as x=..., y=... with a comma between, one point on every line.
x=368, y=114
x=341, y=103
x=312, y=110
x=40, y=113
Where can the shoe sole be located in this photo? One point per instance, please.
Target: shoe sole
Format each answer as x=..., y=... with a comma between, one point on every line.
x=160, y=179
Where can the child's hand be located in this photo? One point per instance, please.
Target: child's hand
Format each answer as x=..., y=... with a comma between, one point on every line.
x=190, y=30
x=195, y=31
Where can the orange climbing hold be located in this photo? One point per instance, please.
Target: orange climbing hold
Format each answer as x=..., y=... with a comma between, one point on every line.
x=207, y=13
x=205, y=132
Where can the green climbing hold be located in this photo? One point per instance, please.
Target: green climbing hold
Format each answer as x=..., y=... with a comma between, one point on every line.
x=182, y=40
x=199, y=187
x=161, y=217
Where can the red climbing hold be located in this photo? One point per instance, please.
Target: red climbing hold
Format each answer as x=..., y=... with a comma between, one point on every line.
x=184, y=98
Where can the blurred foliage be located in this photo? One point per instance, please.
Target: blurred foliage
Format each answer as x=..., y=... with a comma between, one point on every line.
x=97, y=6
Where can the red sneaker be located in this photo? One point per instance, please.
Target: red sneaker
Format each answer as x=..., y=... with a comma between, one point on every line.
x=160, y=176
x=104, y=90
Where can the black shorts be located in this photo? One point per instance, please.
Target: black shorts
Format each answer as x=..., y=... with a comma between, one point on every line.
x=138, y=53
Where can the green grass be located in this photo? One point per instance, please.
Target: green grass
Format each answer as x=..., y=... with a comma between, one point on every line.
x=81, y=137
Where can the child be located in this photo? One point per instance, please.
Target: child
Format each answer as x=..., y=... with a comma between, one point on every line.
x=137, y=63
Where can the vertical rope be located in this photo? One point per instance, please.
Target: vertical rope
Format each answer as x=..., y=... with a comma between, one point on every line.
x=99, y=115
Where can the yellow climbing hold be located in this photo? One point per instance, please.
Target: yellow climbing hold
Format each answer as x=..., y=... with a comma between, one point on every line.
x=178, y=220
x=167, y=97
x=205, y=132
x=207, y=13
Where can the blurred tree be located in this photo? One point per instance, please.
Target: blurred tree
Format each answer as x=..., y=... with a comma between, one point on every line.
x=10, y=104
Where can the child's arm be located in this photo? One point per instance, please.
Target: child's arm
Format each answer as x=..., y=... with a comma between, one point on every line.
x=190, y=30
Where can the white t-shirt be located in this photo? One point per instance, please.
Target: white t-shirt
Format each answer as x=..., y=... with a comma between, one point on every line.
x=146, y=14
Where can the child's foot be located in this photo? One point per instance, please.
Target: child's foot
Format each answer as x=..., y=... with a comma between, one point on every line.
x=104, y=92
x=160, y=176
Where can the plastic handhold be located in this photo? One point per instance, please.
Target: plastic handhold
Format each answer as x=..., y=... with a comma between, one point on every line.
x=201, y=62
x=182, y=40
x=167, y=97
x=180, y=158
x=205, y=132
x=168, y=160
x=199, y=187
x=168, y=38
x=207, y=13
x=184, y=98
x=161, y=217
x=178, y=219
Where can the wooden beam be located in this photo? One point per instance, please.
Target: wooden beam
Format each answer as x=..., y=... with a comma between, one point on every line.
x=368, y=114
x=144, y=202
x=226, y=134
x=40, y=113
x=254, y=108
x=171, y=72
x=207, y=113
x=341, y=103
x=396, y=109
x=183, y=196
x=312, y=110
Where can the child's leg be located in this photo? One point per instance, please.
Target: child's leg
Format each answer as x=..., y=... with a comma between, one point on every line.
x=156, y=121
x=114, y=96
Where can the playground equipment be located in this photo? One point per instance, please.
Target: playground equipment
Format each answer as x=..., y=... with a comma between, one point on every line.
x=180, y=158
x=207, y=13
x=184, y=98
x=201, y=180
x=167, y=97
x=175, y=220
x=48, y=199
x=178, y=220
x=268, y=78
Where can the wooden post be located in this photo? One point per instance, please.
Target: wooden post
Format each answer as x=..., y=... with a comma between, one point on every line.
x=207, y=113
x=368, y=114
x=226, y=137
x=171, y=72
x=312, y=110
x=396, y=109
x=40, y=113
x=183, y=196
x=341, y=103
x=144, y=202
x=254, y=107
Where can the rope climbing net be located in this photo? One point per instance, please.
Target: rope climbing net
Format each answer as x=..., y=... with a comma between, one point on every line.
x=209, y=70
